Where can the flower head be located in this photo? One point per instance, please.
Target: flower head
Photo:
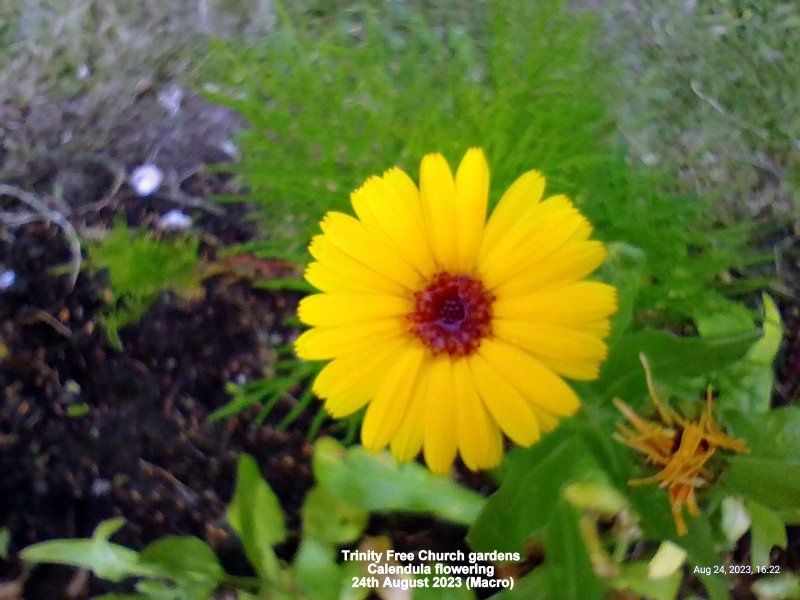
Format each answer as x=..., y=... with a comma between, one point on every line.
x=454, y=330
x=681, y=447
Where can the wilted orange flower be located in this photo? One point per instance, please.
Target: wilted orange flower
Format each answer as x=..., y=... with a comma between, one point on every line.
x=681, y=447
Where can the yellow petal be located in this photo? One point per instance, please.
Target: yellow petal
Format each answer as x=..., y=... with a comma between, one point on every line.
x=472, y=192
x=578, y=302
x=600, y=328
x=506, y=405
x=479, y=438
x=320, y=343
x=407, y=442
x=520, y=197
x=330, y=310
x=570, y=263
x=385, y=213
x=441, y=440
x=556, y=341
x=533, y=240
x=352, y=238
x=357, y=374
x=389, y=407
x=547, y=421
x=438, y=194
x=407, y=189
x=537, y=384
x=335, y=271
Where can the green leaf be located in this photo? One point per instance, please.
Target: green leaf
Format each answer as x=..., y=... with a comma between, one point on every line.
x=634, y=577
x=772, y=435
x=670, y=357
x=760, y=476
x=702, y=551
x=105, y=529
x=328, y=519
x=765, y=479
x=105, y=559
x=747, y=385
x=570, y=575
x=317, y=572
x=256, y=516
x=768, y=530
x=374, y=481
x=765, y=350
x=523, y=505
x=735, y=318
x=624, y=268
x=186, y=560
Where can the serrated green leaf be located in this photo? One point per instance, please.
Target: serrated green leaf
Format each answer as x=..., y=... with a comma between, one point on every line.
x=670, y=357
x=256, y=516
x=768, y=530
x=374, y=481
x=747, y=385
x=774, y=442
x=523, y=505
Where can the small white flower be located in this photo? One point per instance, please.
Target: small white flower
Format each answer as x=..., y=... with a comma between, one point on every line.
x=170, y=98
x=230, y=148
x=175, y=220
x=7, y=279
x=145, y=179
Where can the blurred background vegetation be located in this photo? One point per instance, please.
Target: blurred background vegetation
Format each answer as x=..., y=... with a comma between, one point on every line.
x=674, y=124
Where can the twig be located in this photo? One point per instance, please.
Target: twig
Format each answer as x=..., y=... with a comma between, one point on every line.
x=40, y=316
x=119, y=179
x=41, y=209
x=184, y=490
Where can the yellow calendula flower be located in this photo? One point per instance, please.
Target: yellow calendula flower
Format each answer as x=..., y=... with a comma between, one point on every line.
x=682, y=448
x=454, y=330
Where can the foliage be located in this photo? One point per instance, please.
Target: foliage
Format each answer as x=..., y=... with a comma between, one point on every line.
x=186, y=568
x=710, y=95
x=525, y=81
x=288, y=375
x=538, y=498
x=109, y=47
x=140, y=267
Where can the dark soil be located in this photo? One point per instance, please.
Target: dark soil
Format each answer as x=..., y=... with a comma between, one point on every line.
x=88, y=432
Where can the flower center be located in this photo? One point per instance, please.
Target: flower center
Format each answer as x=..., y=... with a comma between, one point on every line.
x=452, y=314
